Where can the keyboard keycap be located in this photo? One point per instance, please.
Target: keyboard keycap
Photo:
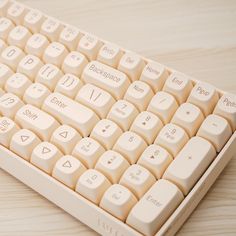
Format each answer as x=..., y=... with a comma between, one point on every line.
x=154, y=208
x=196, y=156
x=226, y=107
x=5, y=73
x=65, y=138
x=44, y=156
x=137, y=179
x=130, y=145
x=3, y=45
x=16, y=13
x=132, y=65
x=154, y=74
x=139, y=94
x=7, y=129
x=204, y=96
x=172, y=138
x=67, y=170
x=4, y=4
x=96, y=99
x=118, y=201
x=88, y=150
x=36, y=120
x=156, y=159
x=6, y=26
x=179, y=86
x=92, y=185
x=23, y=142
x=216, y=130
x=112, y=165
x=69, y=112
x=106, y=78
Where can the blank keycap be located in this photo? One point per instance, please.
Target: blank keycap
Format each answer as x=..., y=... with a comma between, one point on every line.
x=118, y=201
x=67, y=170
x=44, y=156
x=216, y=130
x=195, y=157
x=92, y=185
x=137, y=179
x=6, y=26
x=226, y=107
x=23, y=142
x=149, y=214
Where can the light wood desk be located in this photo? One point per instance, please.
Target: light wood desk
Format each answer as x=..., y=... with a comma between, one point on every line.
x=195, y=37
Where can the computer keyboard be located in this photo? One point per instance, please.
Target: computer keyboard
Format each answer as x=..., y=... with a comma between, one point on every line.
x=122, y=143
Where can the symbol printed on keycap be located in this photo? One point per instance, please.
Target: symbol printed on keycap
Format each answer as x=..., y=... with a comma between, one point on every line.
x=64, y=134
x=45, y=150
x=67, y=164
x=24, y=138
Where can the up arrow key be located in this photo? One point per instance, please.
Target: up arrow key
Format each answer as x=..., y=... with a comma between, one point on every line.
x=67, y=164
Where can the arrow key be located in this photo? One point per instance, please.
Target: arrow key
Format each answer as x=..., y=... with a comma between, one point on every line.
x=67, y=170
x=23, y=142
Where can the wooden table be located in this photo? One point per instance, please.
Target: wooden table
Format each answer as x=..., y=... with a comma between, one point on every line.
x=195, y=37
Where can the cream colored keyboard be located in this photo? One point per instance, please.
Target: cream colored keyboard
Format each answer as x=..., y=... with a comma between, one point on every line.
x=122, y=143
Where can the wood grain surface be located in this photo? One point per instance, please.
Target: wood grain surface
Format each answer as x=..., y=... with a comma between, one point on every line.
x=195, y=37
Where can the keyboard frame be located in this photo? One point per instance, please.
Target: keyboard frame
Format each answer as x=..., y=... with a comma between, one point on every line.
x=92, y=215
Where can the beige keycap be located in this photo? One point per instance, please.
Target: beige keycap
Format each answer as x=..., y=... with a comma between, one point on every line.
x=195, y=157
x=33, y=20
x=178, y=85
x=88, y=150
x=36, y=120
x=10, y=104
x=163, y=105
x=95, y=98
x=140, y=94
x=74, y=63
x=89, y=45
x=69, y=85
x=189, y=117
x=70, y=36
x=30, y=66
x=172, y=138
x=147, y=125
x=23, y=142
x=216, y=130
x=110, y=54
x=5, y=73
x=11, y=56
x=123, y=113
x=44, y=156
x=155, y=159
x=3, y=45
x=19, y=36
x=130, y=145
x=6, y=26
x=69, y=112
x=160, y=201
x=67, y=170
x=16, y=13
x=132, y=65
x=35, y=94
x=137, y=179
x=55, y=54
x=112, y=165
x=92, y=185
x=7, y=129
x=105, y=77
x=204, y=96
x=226, y=107
x=106, y=132
x=49, y=76
x=17, y=84
x=4, y=4
x=154, y=74
x=65, y=138
x=118, y=201
x=51, y=28
x=36, y=45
